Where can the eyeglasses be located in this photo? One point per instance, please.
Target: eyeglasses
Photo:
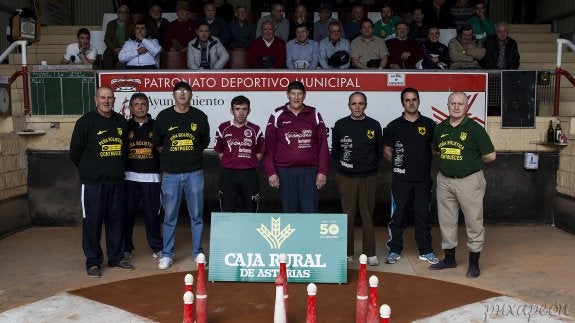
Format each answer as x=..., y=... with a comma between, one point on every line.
x=183, y=91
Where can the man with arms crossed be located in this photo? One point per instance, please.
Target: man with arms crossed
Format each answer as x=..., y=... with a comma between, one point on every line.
x=357, y=150
x=183, y=133
x=240, y=145
x=407, y=146
x=463, y=146
x=296, y=159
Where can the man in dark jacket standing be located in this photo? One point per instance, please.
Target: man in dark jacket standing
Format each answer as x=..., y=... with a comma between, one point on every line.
x=501, y=51
x=97, y=149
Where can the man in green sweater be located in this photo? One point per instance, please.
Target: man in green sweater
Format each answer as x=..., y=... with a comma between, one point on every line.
x=97, y=149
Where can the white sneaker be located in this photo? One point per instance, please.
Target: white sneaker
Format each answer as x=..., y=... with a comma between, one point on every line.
x=372, y=261
x=165, y=263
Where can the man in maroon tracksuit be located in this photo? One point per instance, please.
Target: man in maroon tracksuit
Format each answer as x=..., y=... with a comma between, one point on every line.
x=297, y=154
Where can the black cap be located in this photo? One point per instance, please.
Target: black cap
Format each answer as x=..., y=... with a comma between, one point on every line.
x=182, y=85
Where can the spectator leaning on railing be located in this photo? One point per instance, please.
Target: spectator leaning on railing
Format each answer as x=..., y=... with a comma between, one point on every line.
x=81, y=52
x=464, y=50
x=205, y=51
x=140, y=51
x=267, y=51
x=501, y=50
x=334, y=49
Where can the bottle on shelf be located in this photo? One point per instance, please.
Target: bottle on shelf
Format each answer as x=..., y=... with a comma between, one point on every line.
x=550, y=133
x=558, y=132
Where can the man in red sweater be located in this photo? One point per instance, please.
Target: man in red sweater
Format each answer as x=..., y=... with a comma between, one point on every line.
x=404, y=52
x=268, y=51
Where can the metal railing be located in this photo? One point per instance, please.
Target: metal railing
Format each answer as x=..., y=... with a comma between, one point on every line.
x=559, y=71
x=23, y=72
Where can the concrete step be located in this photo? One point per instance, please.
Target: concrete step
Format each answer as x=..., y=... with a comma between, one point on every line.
x=58, y=39
x=567, y=108
x=65, y=30
x=46, y=48
x=567, y=94
x=546, y=57
x=538, y=47
x=547, y=66
x=534, y=37
x=530, y=28
x=36, y=59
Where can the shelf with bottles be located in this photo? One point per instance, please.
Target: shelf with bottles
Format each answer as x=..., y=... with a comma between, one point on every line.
x=545, y=143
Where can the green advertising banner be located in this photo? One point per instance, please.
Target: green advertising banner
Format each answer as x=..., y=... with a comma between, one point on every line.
x=247, y=247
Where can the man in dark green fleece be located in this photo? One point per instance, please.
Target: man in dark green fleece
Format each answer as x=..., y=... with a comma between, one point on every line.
x=97, y=149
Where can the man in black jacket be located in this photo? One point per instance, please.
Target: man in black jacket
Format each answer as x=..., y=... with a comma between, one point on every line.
x=501, y=50
x=97, y=149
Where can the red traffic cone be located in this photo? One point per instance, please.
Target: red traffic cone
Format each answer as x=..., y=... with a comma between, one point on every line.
x=384, y=313
x=201, y=294
x=188, y=307
x=279, y=310
x=189, y=281
x=361, y=303
x=311, y=316
x=372, y=312
x=283, y=273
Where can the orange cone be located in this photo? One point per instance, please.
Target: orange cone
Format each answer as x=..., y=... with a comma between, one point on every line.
x=384, y=313
x=201, y=294
x=283, y=273
x=311, y=316
x=188, y=307
x=189, y=281
x=361, y=303
x=372, y=312
x=279, y=310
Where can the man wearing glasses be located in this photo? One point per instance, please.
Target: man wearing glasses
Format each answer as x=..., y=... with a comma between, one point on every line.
x=182, y=132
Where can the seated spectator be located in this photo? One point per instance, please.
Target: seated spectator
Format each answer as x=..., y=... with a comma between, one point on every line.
x=242, y=30
x=268, y=51
x=368, y=51
x=385, y=27
x=206, y=51
x=435, y=54
x=320, y=27
x=501, y=50
x=404, y=52
x=224, y=10
x=302, y=52
x=81, y=52
x=117, y=31
x=334, y=49
x=140, y=51
x=156, y=25
x=464, y=50
x=436, y=13
x=300, y=18
x=417, y=30
x=180, y=31
x=352, y=28
x=281, y=24
x=482, y=26
x=218, y=26
x=461, y=10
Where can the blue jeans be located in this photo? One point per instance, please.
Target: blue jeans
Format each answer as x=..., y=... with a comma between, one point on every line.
x=192, y=185
x=298, y=192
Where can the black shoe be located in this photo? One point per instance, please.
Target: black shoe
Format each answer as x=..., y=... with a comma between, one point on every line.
x=94, y=272
x=473, y=272
x=443, y=264
x=124, y=264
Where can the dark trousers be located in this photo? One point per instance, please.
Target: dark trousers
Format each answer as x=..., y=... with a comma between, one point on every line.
x=242, y=183
x=298, y=191
x=418, y=194
x=103, y=204
x=150, y=195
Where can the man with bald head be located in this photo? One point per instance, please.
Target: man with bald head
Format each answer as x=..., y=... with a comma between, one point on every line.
x=463, y=147
x=97, y=149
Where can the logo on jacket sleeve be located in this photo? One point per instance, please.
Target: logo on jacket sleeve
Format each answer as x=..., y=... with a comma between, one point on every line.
x=422, y=130
x=370, y=133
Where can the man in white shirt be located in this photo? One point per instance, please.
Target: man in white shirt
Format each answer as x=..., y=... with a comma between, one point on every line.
x=81, y=52
x=140, y=51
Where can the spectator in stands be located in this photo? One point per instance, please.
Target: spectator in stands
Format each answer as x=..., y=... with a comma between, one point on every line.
x=180, y=31
x=156, y=25
x=302, y=52
x=385, y=27
x=242, y=30
x=117, y=31
x=501, y=50
x=334, y=49
x=268, y=51
x=224, y=10
x=482, y=26
x=435, y=54
x=461, y=10
x=464, y=50
x=417, y=30
x=140, y=51
x=81, y=52
x=352, y=28
x=218, y=26
x=320, y=27
x=281, y=24
x=206, y=51
x=368, y=51
x=437, y=13
x=404, y=52
x=300, y=18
